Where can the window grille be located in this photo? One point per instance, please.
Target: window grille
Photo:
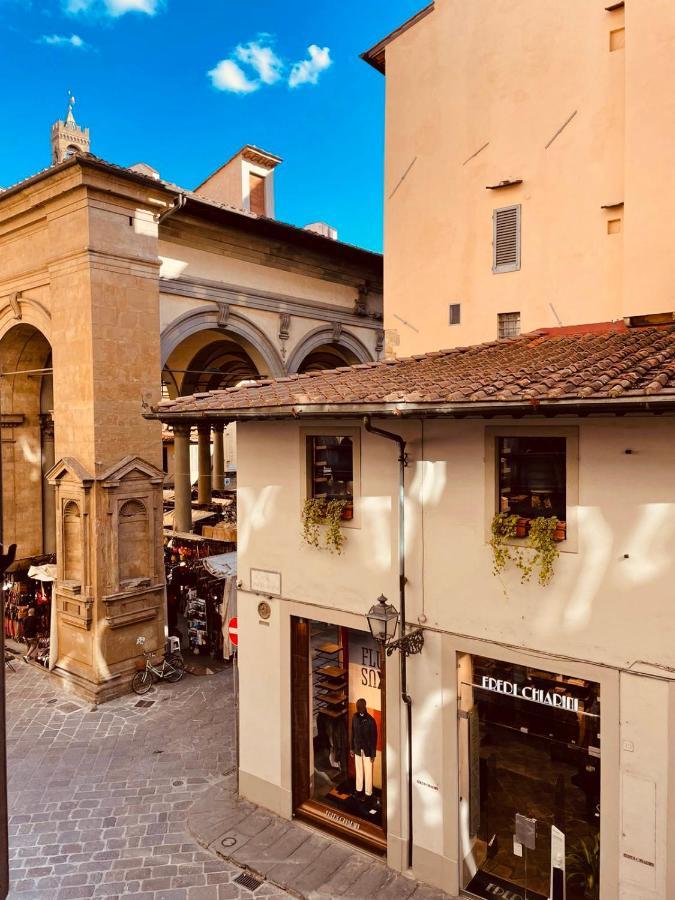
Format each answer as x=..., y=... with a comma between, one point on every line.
x=508, y=325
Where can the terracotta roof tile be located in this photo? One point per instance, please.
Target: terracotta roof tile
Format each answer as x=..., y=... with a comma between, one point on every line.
x=601, y=362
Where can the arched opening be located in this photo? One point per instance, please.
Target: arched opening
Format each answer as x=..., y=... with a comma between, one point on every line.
x=27, y=448
x=209, y=360
x=327, y=356
x=132, y=541
x=72, y=542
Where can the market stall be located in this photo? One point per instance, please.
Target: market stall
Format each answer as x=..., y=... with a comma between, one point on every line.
x=28, y=585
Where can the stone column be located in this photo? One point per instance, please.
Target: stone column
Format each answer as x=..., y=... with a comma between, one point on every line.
x=218, y=458
x=204, y=463
x=181, y=479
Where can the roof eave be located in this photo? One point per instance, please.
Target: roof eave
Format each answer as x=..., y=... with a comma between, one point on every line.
x=569, y=407
x=375, y=57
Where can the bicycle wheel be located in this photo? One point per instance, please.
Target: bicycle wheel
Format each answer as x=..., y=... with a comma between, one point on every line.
x=173, y=673
x=176, y=660
x=142, y=682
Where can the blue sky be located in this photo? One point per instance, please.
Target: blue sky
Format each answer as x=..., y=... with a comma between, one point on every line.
x=182, y=85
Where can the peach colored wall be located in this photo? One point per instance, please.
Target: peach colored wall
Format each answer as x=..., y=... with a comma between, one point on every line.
x=509, y=75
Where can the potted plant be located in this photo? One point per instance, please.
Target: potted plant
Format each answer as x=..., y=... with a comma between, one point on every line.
x=540, y=539
x=319, y=511
x=583, y=868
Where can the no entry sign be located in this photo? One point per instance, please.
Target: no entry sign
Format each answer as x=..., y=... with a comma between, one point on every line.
x=233, y=631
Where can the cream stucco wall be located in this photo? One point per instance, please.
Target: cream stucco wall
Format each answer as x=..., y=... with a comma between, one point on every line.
x=476, y=93
x=606, y=616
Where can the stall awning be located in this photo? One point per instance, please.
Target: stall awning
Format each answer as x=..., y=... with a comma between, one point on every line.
x=46, y=572
x=221, y=565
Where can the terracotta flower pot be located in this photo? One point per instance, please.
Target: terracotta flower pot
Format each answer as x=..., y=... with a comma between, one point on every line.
x=522, y=528
x=347, y=513
x=560, y=532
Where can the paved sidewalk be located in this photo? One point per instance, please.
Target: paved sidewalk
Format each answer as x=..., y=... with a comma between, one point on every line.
x=99, y=796
x=292, y=856
x=135, y=798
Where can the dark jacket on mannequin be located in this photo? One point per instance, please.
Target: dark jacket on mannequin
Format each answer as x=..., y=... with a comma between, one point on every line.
x=364, y=734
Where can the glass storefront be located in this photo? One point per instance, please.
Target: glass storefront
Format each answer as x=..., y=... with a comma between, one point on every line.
x=529, y=782
x=338, y=731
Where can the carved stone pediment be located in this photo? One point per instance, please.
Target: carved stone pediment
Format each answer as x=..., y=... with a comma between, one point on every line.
x=130, y=469
x=69, y=469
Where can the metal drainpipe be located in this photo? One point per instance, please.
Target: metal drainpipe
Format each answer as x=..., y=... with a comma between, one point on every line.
x=405, y=696
x=178, y=204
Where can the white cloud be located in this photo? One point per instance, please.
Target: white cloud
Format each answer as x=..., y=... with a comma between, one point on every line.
x=228, y=76
x=120, y=7
x=113, y=8
x=254, y=64
x=307, y=71
x=62, y=40
x=262, y=59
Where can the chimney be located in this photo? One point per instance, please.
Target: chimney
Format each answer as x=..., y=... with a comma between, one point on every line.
x=246, y=181
x=144, y=169
x=324, y=229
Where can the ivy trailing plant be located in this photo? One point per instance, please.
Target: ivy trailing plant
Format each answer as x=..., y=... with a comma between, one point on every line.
x=312, y=517
x=541, y=541
x=317, y=512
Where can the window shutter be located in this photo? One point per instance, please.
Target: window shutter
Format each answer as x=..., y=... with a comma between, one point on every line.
x=454, y=314
x=506, y=239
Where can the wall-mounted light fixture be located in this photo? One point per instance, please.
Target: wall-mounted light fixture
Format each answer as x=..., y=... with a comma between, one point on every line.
x=383, y=619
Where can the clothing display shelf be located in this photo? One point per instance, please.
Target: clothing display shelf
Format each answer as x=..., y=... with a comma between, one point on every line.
x=330, y=680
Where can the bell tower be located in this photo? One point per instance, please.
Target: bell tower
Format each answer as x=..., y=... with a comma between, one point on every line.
x=68, y=137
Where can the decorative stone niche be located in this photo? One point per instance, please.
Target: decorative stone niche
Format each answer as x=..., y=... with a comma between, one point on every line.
x=134, y=578
x=73, y=589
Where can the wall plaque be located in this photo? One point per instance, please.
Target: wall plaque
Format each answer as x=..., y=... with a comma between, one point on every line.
x=266, y=582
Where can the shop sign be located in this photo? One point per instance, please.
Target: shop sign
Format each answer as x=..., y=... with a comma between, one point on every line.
x=529, y=692
x=341, y=820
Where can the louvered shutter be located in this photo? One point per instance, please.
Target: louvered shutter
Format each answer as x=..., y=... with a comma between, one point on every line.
x=506, y=239
x=256, y=193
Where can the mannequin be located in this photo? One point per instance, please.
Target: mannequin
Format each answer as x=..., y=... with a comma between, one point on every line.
x=363, y=749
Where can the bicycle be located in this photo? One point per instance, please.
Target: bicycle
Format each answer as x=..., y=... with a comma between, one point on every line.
x=171, y=669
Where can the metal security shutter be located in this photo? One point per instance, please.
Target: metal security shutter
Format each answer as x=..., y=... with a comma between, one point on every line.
x=506, y=239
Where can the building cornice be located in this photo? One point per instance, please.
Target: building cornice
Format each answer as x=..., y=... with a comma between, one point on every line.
x=248, y=298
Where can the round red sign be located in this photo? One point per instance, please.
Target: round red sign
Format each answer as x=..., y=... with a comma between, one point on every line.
x=233, y=631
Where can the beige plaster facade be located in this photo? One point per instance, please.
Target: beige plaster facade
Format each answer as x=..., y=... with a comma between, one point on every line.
x=605, y=617
x=114, y=287
x=572, y=101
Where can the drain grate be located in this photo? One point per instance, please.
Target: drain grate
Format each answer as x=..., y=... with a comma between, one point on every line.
x=250, y=882
x=143, y=704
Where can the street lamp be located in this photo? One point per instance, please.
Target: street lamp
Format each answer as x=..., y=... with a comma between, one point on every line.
x=383, y=620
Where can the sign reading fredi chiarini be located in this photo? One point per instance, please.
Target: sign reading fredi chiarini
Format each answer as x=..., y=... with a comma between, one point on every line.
x=531, y=693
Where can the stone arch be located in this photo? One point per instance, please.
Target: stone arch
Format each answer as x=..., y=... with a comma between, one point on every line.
x=26, y=311
x=324, y=337
x=26, y=400
x=206, y=318
x=132, y=541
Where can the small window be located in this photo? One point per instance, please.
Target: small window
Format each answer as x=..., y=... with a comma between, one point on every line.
x=331, y=467
x=532, y=476
x=508, y=325
x=455, y=313
x=506, y=239
x=256, y=194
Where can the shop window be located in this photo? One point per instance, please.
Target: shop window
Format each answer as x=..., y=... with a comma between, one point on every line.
x=532, y=476
x=72, y=542
x=338, y=729
x=330, y=467
x=530, y=762
x=132, y=542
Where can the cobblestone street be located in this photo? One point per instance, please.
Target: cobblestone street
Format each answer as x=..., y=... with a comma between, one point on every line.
x=99, y=797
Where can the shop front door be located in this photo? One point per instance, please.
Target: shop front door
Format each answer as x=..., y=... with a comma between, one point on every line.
x=531, y=784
